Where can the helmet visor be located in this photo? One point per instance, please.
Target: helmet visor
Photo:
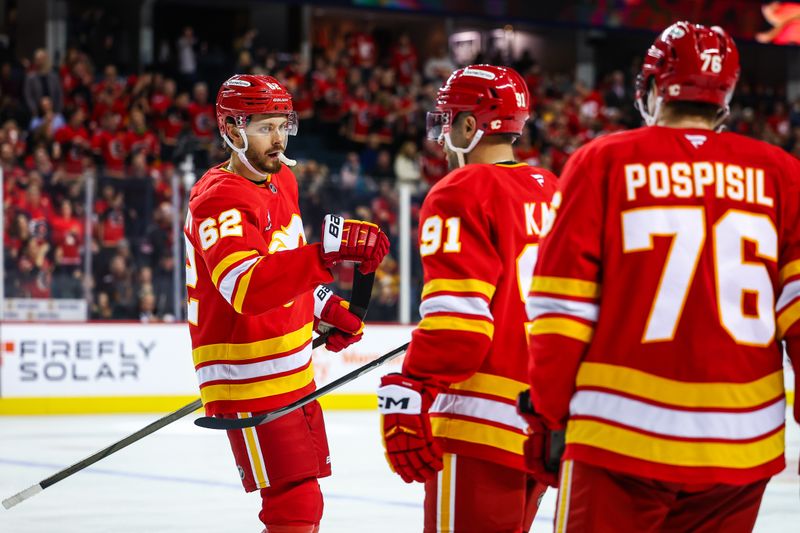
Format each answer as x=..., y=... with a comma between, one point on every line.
x=437, y=123
x=283, y=125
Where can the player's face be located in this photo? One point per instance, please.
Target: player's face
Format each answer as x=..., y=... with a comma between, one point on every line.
x=266, y=137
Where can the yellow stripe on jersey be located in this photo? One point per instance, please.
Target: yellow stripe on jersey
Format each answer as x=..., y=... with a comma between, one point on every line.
x=244, y=282
x=791, y=269
x=565, y=286
x=681, y=393
x=492, y=385
x=251, y=350
x=561, y=326
x=458, y=324
x=787, y=318
x=223, y=265
x=458, y=285
x=511, y=165
x=478, y=433
x=259, y=389
x=673, y=452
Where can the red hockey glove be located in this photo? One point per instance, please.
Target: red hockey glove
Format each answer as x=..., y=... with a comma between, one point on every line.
x=353, y=240
x=544, y=447
x=407, y=437
x=331, y=311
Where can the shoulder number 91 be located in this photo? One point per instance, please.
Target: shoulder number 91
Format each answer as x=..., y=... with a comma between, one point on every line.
x=430, y=238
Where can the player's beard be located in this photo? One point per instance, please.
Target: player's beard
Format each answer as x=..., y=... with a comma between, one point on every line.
x=262, y=162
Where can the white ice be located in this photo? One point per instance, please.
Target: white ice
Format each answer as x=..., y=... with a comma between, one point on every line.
x=182, y=479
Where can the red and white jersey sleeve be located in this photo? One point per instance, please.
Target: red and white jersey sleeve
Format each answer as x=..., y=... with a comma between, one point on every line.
x=478, y=240
x=250, y=277
x=659, y=302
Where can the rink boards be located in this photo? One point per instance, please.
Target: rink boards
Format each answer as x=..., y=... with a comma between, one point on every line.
x=58, y=368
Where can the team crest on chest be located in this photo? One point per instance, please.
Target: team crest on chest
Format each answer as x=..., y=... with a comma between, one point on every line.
x=288, y=237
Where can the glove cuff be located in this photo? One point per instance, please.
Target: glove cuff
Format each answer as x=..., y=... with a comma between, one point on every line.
x=400, y=394
x=321, y=296
x=332, y=229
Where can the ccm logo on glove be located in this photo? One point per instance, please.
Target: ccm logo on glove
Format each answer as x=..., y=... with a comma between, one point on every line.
x=394, y=399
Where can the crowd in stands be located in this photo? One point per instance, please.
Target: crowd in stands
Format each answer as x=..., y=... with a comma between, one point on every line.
x=84, y=124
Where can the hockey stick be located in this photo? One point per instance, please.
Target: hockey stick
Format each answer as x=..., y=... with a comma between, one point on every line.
x=362, y=290
x=211, y=422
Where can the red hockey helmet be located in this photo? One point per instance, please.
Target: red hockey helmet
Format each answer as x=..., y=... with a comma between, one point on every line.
x=692, y=63
x=497, y=97
x=248, y=94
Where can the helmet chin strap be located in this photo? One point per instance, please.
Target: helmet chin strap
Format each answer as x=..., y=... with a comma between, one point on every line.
x=650, y=119
x=240, y=152
x=461, y=151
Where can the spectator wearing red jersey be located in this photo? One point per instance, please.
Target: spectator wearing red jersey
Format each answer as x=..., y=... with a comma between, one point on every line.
x=362, y=49
x=405, y=60
x=172, y=125
x=360, y=118
x=202, y=117
x=36, y=204
x=34, y=269
x=110, y=146
x=162, y=98
x=13, y=136
x=111, y=83
x=67, y=237
x=74, y=144
x=112, y=223
x=139, y=138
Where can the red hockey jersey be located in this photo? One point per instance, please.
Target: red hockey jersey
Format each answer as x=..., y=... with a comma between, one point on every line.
x=478, y=237
x=662, y=294
x=249, y=276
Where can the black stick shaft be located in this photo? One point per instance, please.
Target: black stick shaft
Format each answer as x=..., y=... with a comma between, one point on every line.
x=333, y=385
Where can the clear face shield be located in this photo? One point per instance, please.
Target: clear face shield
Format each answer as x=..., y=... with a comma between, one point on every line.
x=438, y=125
x=281, y=125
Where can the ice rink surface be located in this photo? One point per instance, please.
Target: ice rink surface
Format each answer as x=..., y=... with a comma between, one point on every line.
x=182, y=479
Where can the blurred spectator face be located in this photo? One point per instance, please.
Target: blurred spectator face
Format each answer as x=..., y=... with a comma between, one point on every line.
x=46, y=105
x=200, y=93
x=33, y=195
x=110, y=73
x=111, y=121
x=117, y=266
x=41, y=61
x=103, y=302
x=182, y=101
x=146, y=275
x=148, y=303
x=170, y=88
x=77, y=118
x=7, y=155
x=66, y=209
x=137, y=120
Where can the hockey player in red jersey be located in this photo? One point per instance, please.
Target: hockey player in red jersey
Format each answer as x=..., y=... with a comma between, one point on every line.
x=449, y=419
x=664, y=293
x=255, y=295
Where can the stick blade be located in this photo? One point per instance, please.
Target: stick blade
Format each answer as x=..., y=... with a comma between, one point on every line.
x=212, y=422
x=20, y=497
